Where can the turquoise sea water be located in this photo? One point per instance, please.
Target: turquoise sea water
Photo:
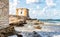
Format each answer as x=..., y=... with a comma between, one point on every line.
x=55, y=26
x=50, y=20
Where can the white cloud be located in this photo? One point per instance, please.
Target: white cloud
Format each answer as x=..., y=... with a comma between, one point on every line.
x=38, y=7
x=18, y=1
x=44, y=9
x=33, y=12
x=46, y=13
x=56, y=36
x=31, y=1
x=50, y=3
x=37, y=13
x=12, y=7
x=56, y=12
x=51, y=13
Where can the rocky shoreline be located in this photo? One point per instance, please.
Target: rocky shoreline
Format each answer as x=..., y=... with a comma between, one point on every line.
x=18, y=21
x=21, y=23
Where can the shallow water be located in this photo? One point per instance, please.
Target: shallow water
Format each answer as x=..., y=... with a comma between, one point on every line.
x=42, y=34
x=53, y=28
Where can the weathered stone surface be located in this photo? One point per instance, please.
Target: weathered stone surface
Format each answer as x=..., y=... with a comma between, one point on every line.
x=4, y=12
x=7, y=31
x=17, y=20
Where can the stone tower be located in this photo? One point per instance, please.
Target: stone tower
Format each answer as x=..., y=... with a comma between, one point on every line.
x=22, y=12
x=4, y=12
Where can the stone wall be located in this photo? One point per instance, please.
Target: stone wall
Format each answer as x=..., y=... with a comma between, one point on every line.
x=4, y=12
x=22, y=12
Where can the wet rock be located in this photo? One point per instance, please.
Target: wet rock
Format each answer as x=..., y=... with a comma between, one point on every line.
x=1, y=35
x=37, y=27
x=7, y=31
x=36, y=23
x=20, y=35
x=17, y=24
x=35, y=34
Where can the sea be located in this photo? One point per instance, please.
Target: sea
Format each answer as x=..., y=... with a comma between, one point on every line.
x=50, y=20
x=55, y=29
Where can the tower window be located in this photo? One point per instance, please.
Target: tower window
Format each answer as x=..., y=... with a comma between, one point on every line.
x=21, y=12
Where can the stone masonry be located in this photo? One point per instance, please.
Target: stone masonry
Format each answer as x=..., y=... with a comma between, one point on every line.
x=4, y=12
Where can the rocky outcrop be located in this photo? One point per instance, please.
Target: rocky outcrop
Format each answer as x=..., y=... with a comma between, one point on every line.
x=17, y=20
x=7, y=31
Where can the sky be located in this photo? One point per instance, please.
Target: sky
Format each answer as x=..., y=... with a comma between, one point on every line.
x=40, y=9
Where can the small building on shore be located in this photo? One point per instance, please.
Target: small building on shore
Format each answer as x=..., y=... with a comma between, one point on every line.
x=22, y=12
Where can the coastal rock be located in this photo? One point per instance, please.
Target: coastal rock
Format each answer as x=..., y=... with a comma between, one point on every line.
x=7, y=31
x=17, y=20
x=37, y=27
